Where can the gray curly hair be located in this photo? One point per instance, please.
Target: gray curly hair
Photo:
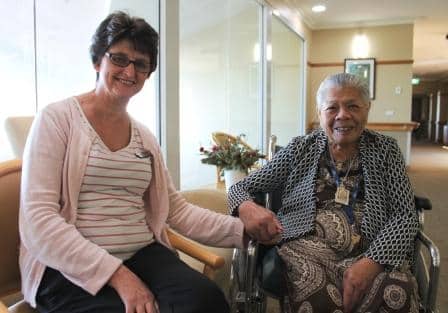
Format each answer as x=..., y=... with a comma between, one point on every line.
x=341, y=80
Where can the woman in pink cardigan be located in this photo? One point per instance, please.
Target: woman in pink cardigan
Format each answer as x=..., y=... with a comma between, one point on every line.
x=96, y=198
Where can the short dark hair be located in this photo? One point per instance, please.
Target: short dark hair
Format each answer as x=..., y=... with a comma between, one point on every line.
x=118, y=26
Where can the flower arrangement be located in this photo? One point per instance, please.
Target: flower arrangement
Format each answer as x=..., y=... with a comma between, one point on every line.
x=232, y=154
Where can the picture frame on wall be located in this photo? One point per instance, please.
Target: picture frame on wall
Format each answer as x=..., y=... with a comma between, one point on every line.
x=365, y=68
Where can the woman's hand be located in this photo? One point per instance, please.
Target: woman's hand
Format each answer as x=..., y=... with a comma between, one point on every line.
x=357, y=280
x=137, y=298
x=260, y=223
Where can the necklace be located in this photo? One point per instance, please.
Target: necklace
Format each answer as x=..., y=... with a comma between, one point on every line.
x=342, y=194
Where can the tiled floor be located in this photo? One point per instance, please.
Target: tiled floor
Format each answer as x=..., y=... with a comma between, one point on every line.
x=429, y=176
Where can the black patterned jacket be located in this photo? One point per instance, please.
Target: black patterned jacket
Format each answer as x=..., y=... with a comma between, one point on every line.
x=389, y=220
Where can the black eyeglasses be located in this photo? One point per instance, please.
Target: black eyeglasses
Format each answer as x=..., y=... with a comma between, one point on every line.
x=122, y=60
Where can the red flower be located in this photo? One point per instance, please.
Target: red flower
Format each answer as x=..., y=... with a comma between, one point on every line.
x=231, y=155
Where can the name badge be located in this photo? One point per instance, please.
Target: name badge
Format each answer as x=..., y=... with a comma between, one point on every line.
x=342, y=195
x=142, y=153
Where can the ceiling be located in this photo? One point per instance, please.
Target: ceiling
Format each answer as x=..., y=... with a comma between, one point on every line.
x=430, y=18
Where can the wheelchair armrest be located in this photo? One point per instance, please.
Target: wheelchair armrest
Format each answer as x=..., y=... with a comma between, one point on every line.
x=422, y=203
x=432, y=277
x=260, y=198
x=273, y=202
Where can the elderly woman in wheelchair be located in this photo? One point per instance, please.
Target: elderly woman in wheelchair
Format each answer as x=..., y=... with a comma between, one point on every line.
x=346, y=227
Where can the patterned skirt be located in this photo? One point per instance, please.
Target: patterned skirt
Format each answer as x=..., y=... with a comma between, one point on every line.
x=315, y=267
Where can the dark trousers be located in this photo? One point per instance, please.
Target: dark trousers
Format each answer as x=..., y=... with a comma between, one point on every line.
x=177, y=288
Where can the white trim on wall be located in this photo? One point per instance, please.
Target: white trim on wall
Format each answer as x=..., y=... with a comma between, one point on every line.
x=169, y=86
x=266, y=68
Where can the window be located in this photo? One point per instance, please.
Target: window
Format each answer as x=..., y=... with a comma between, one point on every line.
x=287, y=102
x=17, y=63
x=64, y=30
x=219, y=79
x=222, y=87
x=46, y=55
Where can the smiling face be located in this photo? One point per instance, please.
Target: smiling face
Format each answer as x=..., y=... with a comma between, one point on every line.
x=121, y=82
x=343, y=116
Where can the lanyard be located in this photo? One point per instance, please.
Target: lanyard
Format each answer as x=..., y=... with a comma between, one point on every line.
x=348, y=209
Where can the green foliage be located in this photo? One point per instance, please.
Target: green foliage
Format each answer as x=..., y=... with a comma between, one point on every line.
x=231, y=155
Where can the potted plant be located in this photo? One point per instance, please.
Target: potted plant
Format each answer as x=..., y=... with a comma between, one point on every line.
x=233, y=158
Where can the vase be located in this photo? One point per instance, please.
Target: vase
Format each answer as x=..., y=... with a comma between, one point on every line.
x=233, y=176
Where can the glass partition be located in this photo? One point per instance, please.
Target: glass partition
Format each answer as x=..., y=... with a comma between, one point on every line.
x=287, y=102
x=17, y=64
x=63, y=32
x=45, y=56
x=219, y=79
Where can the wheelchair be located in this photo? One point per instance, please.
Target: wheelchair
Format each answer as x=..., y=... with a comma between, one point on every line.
x=256, y=272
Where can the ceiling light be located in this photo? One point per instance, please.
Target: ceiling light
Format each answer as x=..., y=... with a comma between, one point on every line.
x=360, y=46
x=256, y=52
x=318, y=8
x=269, y=52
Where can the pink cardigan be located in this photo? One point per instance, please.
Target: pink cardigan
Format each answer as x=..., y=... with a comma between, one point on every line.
x=54, y=161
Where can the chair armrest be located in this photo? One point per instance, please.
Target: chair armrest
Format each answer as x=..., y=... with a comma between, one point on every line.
x=3, y=308
x=422, y=203
x=211, y=261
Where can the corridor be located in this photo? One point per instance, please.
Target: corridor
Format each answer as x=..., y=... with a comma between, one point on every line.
x=429, y=175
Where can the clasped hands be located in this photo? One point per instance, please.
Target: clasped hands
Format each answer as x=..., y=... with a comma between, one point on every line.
x=260, y=223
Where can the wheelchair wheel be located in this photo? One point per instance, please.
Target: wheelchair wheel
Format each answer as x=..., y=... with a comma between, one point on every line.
x=237, y=279
x=239, y=301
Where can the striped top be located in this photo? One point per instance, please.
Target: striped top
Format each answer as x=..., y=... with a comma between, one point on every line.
x=110, y=208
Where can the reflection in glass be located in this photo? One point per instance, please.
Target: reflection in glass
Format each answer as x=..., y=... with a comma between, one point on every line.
x=219, y=80
x=64, y=30
x=287, y=103
x=58, y=38
x=17, y=64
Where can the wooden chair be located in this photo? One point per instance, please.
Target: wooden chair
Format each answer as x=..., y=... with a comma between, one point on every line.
x=17, y=128
x=221, y=138
x=10, y=174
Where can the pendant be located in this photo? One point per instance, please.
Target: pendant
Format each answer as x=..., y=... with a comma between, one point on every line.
x=354, y=242
x=342, y=195
x=355, y=239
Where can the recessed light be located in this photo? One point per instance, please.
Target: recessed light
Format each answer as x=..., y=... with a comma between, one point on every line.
x=319, y=8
